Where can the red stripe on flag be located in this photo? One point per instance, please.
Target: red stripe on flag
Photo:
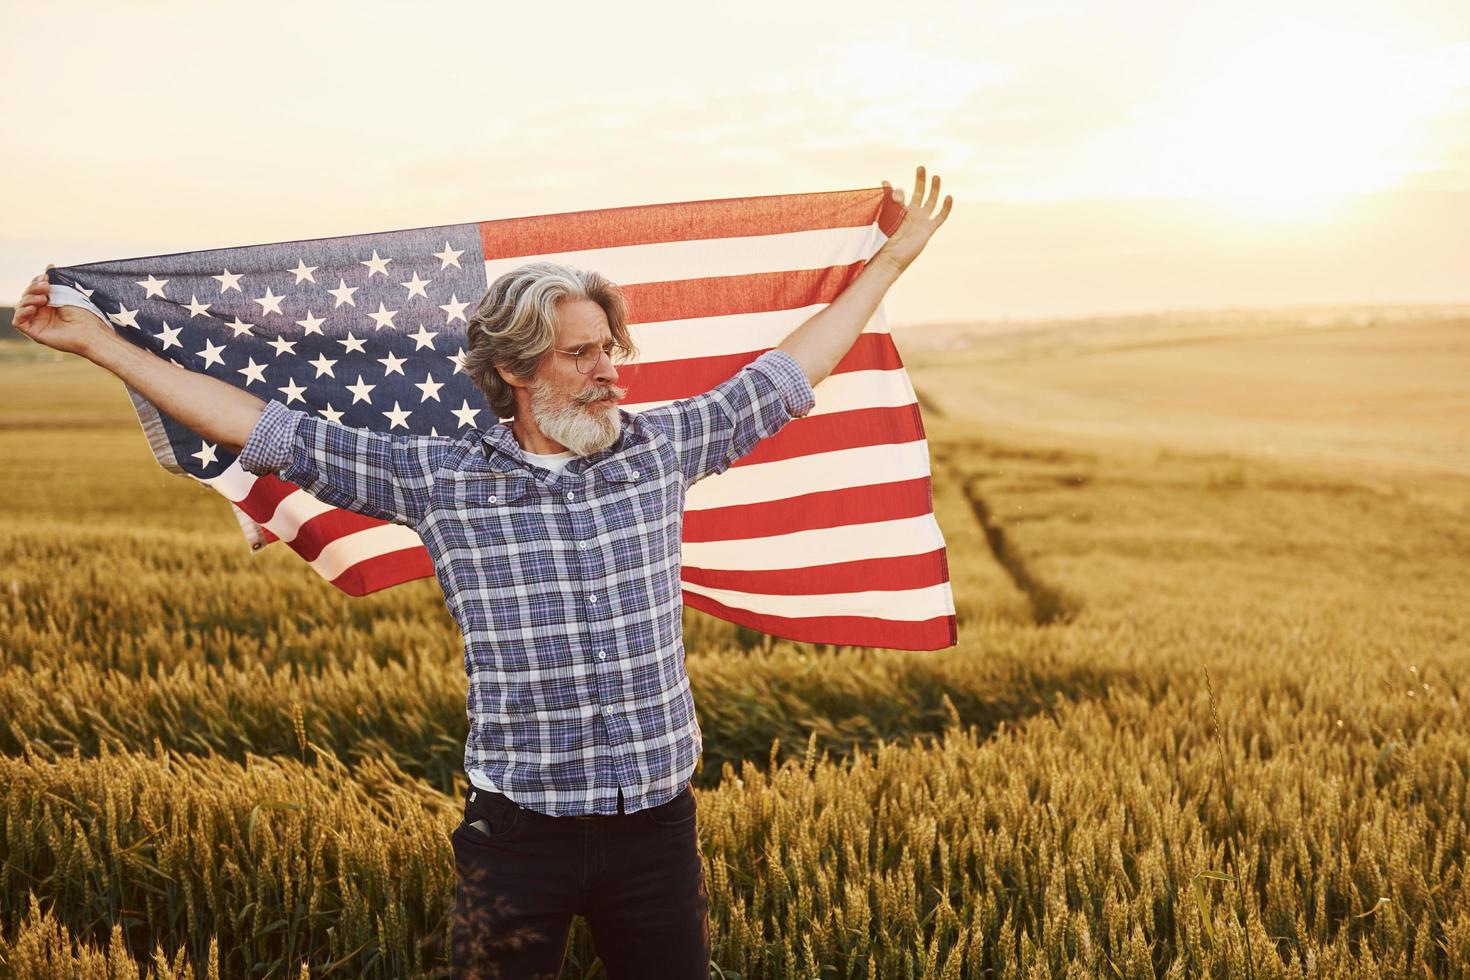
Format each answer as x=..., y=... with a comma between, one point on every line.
x=265, y=494
x=838, y=430
x=265, y=497
x=809, y=511
x=897, y=572
x=326, y=527
x=385, y=570
x=757, y=292
x=670, y=380
x=685, y=221
x=928, y=634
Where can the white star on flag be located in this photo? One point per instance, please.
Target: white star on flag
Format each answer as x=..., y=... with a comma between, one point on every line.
x=253, y=372
x=423, y=339
x=465, y=414
x=323, y=366
x=454, y=309
x=311, y=325
x=270, y=302
x=376, y=265
x=398, y=417
x=449, y=256
x=360, y=391
x=343, y=292
x=292, y=391
x=384, y=317
x=124, y=317
x=169, y=335
x=415, y=286
x=211, y=354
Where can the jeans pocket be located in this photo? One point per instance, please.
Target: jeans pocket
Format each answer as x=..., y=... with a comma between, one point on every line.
x=490, y=817
x=676, y=814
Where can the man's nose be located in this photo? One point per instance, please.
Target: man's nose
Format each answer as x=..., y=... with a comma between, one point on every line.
x=606, y=372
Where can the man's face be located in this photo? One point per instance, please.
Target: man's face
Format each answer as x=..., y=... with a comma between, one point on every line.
x=580, y=411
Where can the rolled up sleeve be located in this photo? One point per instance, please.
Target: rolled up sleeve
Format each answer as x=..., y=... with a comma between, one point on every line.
x=372, y=473
x=711, y=431
x=790, y=380
x=268, y=449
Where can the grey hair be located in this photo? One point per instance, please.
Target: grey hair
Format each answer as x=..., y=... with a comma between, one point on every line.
x=515, y=323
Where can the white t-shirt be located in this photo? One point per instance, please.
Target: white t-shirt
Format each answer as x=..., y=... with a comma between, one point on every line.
x=555, y=462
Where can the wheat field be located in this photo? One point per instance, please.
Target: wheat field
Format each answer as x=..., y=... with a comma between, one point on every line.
x=1207, y=717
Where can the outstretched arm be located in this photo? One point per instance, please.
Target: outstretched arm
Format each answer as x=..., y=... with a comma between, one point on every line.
x=215, y=410
x=822, y=341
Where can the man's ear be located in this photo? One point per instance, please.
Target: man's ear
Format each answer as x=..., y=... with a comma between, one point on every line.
x=511, y=379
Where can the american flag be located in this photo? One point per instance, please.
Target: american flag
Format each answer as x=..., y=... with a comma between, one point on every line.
x=825, y=533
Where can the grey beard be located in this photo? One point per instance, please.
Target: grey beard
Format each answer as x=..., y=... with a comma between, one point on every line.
x=582, y=431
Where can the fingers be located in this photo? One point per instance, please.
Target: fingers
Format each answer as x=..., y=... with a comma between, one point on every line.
x=39, y=291
x=37, y=295
x=923, y=202
x=933, y=198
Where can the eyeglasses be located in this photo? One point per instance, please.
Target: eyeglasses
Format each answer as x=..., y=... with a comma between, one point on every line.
x=589, y=356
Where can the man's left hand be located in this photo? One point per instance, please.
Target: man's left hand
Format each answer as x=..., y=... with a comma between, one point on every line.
x=918, y=224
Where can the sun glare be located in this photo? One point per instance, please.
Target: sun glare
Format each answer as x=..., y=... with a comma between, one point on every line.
x=1295, y=124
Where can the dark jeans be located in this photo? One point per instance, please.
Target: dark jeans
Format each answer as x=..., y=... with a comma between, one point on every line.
x=637, y=878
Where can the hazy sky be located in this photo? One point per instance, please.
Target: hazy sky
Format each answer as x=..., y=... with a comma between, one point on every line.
x=1103, y=157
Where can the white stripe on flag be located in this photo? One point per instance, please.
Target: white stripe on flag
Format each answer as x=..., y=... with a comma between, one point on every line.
x=294, y=511
x=843, y=392
x=908, y=605
x=822, y=546
x=370, y=542
x=738, y=333
x=812, y=473
x=234, y=483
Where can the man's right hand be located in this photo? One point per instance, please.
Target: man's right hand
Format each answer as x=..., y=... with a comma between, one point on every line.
x=64, y=328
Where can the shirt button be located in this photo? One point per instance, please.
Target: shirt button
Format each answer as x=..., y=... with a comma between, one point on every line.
x=592, y=599
x=492, y=498
x=635, y=474
x=601, y=654
x=570, y=495
x=582, y=545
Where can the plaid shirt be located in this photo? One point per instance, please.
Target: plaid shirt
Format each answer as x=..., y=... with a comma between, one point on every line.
x=565, y=586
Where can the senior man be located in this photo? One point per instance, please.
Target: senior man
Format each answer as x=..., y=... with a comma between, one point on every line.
x=556, y=540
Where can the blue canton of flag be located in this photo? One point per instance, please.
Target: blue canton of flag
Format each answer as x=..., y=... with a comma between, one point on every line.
x=367, y=330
